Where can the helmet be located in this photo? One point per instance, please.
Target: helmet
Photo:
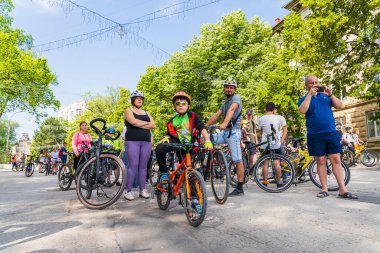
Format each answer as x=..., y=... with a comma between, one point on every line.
x=111, y=130
x=136, y=93
x=181, y=94
x=230, y=81
x=243, y=122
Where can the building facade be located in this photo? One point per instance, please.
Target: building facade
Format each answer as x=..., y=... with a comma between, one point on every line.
x=22, y=146
x=71, y=111
x=357, y=114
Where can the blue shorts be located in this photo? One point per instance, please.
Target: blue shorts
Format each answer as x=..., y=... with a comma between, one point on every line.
x=324, y=144
x=233, y=143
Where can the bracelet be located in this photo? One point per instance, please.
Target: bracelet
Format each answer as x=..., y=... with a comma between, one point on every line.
x=330, y=96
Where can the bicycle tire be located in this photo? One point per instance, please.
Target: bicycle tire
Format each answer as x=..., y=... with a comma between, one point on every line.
x=367, y=154
x=330, y=176
x=348, y=157
x=192, y=178
x=111, y=200
x=64, y=177
x=164, y=198
x=219, y=173
x=154, y=173
x=287, y=167
x=29, y=172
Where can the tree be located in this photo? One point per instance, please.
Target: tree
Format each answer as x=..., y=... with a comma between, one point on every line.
x=234, y=47
x=6, y=136
x=49, y=135
x=109, y=107
x=339, y=41
x=25, y=80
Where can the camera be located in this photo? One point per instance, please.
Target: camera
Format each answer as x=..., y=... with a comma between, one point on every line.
x=321, y=88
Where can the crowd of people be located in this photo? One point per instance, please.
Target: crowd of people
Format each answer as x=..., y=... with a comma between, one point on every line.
x=322, y=136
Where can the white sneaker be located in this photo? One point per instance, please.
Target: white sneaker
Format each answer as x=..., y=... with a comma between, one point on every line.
x=144, y=194
x=129, y=196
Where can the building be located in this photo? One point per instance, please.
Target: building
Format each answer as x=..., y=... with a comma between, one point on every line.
x=71, y=111
x=22, y=146
x=356, y=113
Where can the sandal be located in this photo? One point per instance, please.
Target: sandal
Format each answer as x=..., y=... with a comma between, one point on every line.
x=322, y=194
x=348, y=195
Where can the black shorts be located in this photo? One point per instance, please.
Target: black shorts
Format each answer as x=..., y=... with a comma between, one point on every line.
x=278, y=151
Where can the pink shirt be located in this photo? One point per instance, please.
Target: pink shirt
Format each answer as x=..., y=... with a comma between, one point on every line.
x=78, y=139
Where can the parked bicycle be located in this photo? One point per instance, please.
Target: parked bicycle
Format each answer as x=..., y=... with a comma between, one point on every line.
x=92, y=187
x=213, y=165
x=30, y=167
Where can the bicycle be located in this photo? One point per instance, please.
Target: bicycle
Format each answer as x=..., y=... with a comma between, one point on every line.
x=29, y=170
x=154, y=170
x=193, y=184
x=213, y=164
x=305, y=163
x=93, y=175
x=266, y=178
x=66, y=172
x=366, y=157
x=347, y=156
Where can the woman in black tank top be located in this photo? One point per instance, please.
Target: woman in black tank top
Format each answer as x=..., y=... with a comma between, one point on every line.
x=138, y=144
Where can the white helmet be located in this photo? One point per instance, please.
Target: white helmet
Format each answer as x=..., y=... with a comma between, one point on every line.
x=136, y=93
x=230, y=82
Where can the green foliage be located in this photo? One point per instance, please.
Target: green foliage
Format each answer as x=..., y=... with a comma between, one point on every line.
x=25, y=80
x=109, y=107
x=4, y=125
x=49, y=135
x=233, y=47
x=340, y=43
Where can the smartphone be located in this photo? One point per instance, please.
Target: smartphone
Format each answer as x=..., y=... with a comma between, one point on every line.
x=321, y=88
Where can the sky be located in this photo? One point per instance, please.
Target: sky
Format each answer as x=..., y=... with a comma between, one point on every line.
x=110, y=61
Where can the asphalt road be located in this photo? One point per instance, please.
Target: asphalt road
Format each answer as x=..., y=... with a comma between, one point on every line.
x=36, y=216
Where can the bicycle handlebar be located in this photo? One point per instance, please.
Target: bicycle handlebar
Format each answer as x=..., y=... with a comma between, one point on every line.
x=95, y=128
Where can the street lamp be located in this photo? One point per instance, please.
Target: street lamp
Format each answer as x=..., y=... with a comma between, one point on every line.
x=8, y=134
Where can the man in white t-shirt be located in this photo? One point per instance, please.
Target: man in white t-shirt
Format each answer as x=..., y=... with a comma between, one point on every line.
x=348, y=138
x=278, y=123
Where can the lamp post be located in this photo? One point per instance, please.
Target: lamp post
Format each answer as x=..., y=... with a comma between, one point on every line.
x=8, y=134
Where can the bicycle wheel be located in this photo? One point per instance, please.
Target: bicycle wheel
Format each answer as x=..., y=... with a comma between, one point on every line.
x=113, y=173
x=43, y=168
x=270, y=180
x=64, y=177
x=154, y=173
x=29, y=170
x=90, y=184
x=220, y=177
x=164, y=196
x=348, y=157
x=195, y=198
x=233, y=174
x=369, y=158
x=332, y=184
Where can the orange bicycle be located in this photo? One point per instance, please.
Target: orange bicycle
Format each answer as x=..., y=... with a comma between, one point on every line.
x=184, y=179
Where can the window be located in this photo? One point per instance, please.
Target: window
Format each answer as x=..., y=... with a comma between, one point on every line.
x=373, y=123
x=79, y=112
x=341, y=120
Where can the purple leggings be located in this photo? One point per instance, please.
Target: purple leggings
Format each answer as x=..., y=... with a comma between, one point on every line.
x=138, y=153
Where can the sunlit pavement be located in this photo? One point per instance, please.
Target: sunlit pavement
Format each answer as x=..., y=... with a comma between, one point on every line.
x=36, y=216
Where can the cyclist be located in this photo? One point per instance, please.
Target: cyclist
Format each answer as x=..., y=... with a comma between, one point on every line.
x=270, y=121
x=348, y=138
x=231, y=110
x=14, y=161
x=138, y=143
x=41, y=160
x=80, y=137
x=63, y=153
x=252, y=134
x=182, y=128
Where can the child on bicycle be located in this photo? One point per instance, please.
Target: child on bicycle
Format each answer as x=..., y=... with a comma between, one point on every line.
x=182, y=128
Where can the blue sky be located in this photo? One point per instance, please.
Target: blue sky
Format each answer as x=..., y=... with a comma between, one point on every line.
x=92, y=66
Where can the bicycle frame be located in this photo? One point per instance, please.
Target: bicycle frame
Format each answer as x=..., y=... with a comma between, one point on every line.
x=186, y=164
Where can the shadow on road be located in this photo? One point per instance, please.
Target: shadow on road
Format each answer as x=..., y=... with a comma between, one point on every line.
x=21, y=233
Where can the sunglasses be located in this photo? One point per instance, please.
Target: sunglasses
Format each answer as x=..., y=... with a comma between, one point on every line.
x=180, y=103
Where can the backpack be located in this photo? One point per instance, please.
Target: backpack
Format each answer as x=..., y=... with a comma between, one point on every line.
x=60, y=153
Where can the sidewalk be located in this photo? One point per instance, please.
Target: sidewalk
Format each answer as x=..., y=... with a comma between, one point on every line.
x=5, y=167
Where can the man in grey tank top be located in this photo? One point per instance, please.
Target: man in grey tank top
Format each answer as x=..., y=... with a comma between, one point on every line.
x=231, y=134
